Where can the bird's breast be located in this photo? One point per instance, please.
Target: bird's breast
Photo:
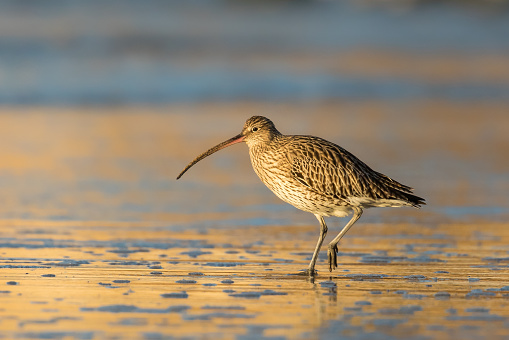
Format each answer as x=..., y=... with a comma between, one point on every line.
x=271, y=166
x=274, y=170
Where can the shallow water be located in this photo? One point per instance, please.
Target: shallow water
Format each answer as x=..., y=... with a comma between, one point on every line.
x=124, y=280
x=60, y=52
x=120, y=164
x=98, y=239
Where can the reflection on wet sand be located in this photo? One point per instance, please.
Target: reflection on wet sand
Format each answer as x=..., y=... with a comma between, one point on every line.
x=98, y=240
x=122, y=280
x=121, y=163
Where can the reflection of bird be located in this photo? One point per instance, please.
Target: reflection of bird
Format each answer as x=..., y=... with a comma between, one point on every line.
x=317, y=176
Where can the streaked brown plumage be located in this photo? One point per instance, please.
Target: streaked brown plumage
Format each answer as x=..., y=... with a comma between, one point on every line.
x=317, y=176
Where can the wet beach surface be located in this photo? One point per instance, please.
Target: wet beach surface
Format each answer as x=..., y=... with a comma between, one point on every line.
x=99, y=240
x=142, y=281
x=102, y=104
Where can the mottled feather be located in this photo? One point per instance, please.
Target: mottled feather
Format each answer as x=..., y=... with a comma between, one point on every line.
x=318, y=176
x=333, y=172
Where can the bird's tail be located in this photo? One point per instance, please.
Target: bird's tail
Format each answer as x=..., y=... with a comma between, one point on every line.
x=414, y=200
x=402, y=192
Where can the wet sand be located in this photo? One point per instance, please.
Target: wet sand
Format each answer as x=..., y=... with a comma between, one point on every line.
x=98, y=239
x=125, y=280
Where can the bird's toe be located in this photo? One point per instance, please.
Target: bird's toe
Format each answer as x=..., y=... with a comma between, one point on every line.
x=330, y=256
x=306, y=272
x=310, y=272
x=333, y=256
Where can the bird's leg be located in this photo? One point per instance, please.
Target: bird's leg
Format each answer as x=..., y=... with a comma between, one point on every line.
x=323, y=231
x=332, y=251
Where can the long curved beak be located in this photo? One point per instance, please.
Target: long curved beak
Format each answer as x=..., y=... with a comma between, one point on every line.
x=234, y=140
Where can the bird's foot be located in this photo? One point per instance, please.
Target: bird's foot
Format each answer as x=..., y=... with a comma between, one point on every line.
x=332, y=254
x=306, y=272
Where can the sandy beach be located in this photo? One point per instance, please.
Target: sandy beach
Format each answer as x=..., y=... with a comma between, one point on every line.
x=102, y=104
x=99, y=240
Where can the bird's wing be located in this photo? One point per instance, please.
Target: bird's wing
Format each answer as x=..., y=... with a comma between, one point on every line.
x=330, y=170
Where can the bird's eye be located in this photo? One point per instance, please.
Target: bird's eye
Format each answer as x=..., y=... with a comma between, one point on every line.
x=255, y=129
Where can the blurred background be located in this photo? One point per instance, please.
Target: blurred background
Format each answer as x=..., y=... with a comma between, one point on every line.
x=122, y=52
x=102, y=103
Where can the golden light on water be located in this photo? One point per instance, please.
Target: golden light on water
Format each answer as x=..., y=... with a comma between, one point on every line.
x=102, y=104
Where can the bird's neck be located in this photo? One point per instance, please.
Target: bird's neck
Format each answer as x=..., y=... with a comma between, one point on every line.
x=263, y=147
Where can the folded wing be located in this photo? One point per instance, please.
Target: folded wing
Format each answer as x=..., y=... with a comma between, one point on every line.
x=331, y=171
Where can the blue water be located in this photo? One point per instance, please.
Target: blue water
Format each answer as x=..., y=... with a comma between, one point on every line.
x=115, y=52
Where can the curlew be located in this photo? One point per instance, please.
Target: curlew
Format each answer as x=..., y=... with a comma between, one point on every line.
x=316, y=176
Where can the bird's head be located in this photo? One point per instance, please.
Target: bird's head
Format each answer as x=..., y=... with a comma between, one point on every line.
x=257, y=130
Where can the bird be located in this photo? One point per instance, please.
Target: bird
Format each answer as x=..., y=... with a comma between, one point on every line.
x=316, y=176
